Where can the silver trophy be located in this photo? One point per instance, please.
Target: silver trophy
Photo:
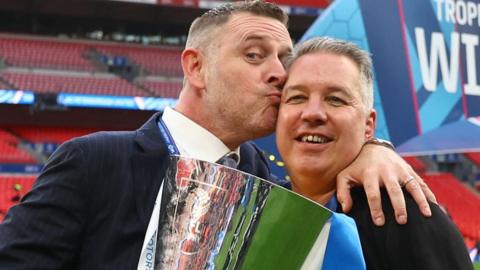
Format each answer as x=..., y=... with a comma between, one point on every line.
x=216, y=217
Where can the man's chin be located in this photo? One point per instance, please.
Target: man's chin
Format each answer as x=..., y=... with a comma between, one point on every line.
x=262, y=132
x=262, y=129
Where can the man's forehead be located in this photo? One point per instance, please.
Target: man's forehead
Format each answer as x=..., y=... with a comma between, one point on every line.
x=318, y=68
x=249, y=26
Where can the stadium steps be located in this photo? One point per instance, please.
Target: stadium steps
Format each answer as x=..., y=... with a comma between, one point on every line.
x=10, y=152
x=161, y=86
x=5, y=84
x=163, y=61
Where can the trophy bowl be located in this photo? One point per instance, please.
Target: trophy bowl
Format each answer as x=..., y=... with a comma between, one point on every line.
x=216, y=217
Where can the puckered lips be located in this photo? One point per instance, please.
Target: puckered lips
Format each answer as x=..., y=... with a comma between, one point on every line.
x=275, y=97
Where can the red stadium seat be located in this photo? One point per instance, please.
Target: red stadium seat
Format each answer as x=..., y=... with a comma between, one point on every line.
x=12, y=188
x=474, y=157
x=10, y=153
x=50, y=134
x=7, y=137
x=462, y=204
x=416, y=164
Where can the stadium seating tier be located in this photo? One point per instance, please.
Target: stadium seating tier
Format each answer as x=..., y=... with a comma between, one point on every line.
x=157, y=61
x=50, y=83
x=474, y=157
x=462, y=204
x=50, y=134
x=47, y=54
x=416, y=163
x=10, y=152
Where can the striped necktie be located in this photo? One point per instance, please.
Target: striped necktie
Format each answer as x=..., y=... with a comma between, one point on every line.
x=229, y=160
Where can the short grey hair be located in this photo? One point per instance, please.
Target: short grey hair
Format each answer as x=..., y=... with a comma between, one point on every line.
x=343, y=48
x=200, y=32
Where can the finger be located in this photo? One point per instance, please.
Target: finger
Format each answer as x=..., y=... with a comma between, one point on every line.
x=397, y=199
x=372, y=190
x=343, y=193
x=426, y=190
x=413, y=187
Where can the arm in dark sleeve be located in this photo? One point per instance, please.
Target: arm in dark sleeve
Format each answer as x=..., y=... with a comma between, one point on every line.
x=422, y=244
x=44, y=230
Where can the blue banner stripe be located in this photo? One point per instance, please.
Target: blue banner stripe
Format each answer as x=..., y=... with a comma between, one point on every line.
x=456, y=114
x=396, y=94
x=430, y=114
x=344, y=250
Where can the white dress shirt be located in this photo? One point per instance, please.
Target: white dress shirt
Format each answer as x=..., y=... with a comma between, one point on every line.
x=192, y=140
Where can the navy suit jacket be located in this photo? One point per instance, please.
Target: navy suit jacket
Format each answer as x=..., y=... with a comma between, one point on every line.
x=90, y=206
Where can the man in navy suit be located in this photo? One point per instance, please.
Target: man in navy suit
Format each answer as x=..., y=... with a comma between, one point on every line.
x=90, y=207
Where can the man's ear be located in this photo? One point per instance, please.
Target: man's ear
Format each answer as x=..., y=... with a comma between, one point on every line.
x=193, y=65
x=371, y=124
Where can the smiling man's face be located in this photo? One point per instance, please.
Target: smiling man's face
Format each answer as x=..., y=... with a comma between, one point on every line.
x=323, y=120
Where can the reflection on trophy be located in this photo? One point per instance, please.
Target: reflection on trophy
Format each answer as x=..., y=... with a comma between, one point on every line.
x=216, y=217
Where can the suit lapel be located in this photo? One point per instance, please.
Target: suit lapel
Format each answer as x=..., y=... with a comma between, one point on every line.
x=148, y=167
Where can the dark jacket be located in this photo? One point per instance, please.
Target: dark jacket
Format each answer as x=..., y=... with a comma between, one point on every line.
x=422, y=244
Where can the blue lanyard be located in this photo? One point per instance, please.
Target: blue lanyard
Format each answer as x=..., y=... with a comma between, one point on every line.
x=332, y=203
x=167, y=138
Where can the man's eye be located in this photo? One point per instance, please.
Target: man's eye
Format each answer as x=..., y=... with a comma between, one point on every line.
x=335, y=101
x=253, y=56
x=296, y=99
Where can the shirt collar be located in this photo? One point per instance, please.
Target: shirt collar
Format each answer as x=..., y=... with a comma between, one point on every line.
x=192, y=140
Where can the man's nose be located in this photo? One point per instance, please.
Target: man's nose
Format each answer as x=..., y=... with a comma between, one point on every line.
x=314, y=112
x=277, y=75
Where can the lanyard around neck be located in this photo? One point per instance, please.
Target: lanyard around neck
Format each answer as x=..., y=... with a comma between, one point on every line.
x=147, y=255
x=167, y=138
